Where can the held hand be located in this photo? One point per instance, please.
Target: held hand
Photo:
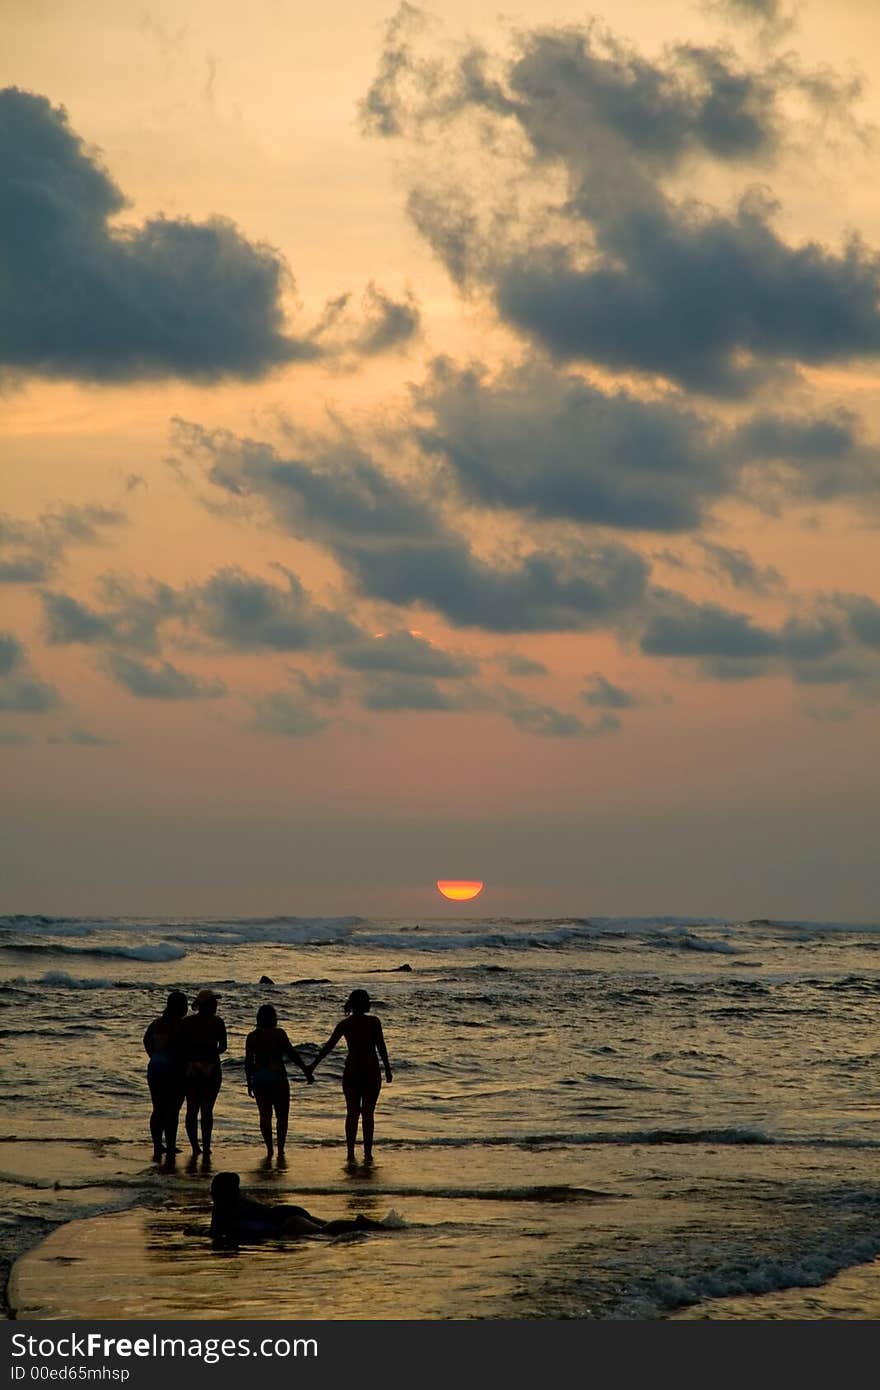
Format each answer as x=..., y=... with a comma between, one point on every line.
x=309, y=1076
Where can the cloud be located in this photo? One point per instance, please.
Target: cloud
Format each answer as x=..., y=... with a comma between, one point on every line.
x=817, y=457
x=389, y=323
x=529, y=716
x=767, y=304
x=289, y=716
x=323, y=687
x=569, y=587
x=131, y=618
x=550, y=444
x=12, y=653
x=833, y=640
x=570, y=217
x=769, y=15
x=31, y=551
x=160, y=682
x=603, y=694
x=89, y=298
x=735, y=565
x=235, y=609
x=248, y=614
x=515, y=664
x=20, y=691
x=380, y=324
x=863, y=617
x=324, y=490
x=686, y=628
x=405, y=653
x=83, y=738
x=391, y=536
x=408, y=692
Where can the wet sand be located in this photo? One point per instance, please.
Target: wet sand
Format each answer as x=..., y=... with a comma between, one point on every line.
x=456, y=1246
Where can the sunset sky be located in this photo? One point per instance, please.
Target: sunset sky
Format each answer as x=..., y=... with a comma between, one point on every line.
x=440, y=444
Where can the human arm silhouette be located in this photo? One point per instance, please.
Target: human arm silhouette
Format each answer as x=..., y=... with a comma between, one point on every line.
x=329, y=1045
x=292, y=1055
x=249, y=1063
x=383, y=1052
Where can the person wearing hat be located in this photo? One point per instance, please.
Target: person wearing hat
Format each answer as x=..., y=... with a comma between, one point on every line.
x=203, y=1039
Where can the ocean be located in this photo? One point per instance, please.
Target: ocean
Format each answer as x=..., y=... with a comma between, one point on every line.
x=589, y=1118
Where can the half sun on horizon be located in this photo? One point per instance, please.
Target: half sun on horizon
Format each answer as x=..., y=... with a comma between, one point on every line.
x=460, y=890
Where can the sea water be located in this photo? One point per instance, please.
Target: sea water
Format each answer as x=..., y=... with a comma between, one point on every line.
x=589, y=1118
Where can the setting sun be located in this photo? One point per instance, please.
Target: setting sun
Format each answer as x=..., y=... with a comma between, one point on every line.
x=459, y=889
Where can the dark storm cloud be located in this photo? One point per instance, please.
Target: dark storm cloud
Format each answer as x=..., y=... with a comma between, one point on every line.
x=159, y=682
x=246, y=613
x=30, y=551
x=405, y=653
x=548, y=443
x=619, y=270
x=285, y=715
x=20, y=691
x=81, y=298
x=735, y=565
x=603, y=694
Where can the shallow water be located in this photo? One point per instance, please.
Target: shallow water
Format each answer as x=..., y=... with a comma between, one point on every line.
x=588, y=1118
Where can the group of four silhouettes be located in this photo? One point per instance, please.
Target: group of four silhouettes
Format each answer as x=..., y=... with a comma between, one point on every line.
x=185, y=1047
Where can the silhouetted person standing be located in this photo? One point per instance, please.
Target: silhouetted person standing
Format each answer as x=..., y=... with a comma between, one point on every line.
x=361, y=1076
x=203, y=1037
x=165, y=1074
x=266, y=1050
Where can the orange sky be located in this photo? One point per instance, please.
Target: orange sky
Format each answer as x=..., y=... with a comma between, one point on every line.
x=217, y=765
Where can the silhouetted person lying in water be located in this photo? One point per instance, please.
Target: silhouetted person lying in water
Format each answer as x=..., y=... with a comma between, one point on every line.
x=236, y=1217
x=361, y=1077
